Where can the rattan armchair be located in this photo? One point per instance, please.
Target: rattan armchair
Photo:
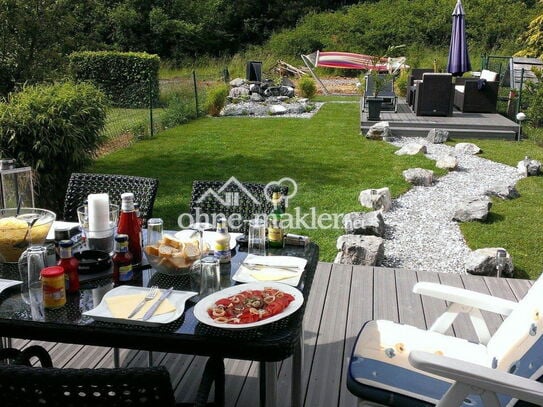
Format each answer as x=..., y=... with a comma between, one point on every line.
x=81, y=185
x=477, y=95
x=415, y=75
x=247, y=200
x=434, y=95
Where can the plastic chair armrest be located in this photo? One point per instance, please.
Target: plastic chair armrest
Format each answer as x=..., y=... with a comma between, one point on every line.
x=472, y=375
x=466, y=297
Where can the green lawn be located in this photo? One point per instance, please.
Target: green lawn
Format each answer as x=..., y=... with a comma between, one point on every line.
x=330, y=162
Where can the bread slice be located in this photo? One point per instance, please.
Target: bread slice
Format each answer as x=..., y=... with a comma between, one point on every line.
x=191, y=251
x=152, y=250
x=173, y=242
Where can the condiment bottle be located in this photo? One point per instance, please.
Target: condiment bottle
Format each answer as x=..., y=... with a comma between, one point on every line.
x=221, y=249
x=129, y=224
x=70, y=265
x=276, y=230
x=54, y=291
x=123, y=271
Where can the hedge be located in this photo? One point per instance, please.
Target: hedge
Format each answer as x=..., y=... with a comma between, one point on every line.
x=127, y=78
x=55, y=129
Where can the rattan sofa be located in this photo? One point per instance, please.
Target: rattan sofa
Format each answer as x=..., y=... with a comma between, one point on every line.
x=477, y=95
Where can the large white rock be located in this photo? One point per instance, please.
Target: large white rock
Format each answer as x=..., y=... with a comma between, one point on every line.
x=379, y=131
x=411, y=149
x=467, y=148
x=447, y=162
x=378, y=199
x=419, y=176
x=483, y=262
x=359, y=249
x=275, y=110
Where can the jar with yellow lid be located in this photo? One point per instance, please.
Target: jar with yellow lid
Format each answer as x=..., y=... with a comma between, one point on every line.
x=54, y=289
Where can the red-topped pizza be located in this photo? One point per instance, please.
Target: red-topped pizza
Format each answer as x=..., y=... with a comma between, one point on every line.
x=250, y=306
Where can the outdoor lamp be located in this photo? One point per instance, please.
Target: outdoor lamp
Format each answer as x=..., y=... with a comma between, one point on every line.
x=500, y=261
x=15, y=184
x=520, y=118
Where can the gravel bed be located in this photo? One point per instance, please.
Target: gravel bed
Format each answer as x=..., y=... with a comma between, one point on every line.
x=420, y=234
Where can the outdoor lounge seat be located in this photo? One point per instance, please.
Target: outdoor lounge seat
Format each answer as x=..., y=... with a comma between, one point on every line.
x=434, y=95
x=81, y=185
x=212, y=198
x=386, y=93
x=450, y=370
x=477, y=95
x=415, y=75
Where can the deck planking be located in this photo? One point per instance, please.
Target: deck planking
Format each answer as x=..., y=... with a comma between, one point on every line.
x=342, y=298
x=405, y=123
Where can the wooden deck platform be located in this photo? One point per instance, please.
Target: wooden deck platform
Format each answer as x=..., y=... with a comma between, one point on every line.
x=405, y=123
x=342, y=299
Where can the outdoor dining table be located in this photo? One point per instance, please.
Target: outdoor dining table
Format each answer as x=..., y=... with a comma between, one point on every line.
x=266, y=344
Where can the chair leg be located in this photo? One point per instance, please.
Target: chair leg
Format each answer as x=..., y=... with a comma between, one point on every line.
x=150, y=359
x=116, y=357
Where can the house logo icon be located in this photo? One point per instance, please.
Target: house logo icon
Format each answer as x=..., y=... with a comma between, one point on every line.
x=229, y=194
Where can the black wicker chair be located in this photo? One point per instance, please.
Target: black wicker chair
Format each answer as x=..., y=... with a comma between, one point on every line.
x=24, y=385
x=212, y=198
x=434, y=95
x=81, y=185
x=415, y=75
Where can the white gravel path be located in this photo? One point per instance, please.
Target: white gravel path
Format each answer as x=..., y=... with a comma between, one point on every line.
x=420, y=234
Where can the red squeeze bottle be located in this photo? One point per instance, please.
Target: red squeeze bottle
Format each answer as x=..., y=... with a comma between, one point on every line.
x=70, y=265
x=130, y=225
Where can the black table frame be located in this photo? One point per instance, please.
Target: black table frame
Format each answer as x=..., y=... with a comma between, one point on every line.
x=268, y=344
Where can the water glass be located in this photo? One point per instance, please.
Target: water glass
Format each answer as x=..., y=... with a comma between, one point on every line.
x=257, y=237
x=207, y=272
x=155, y=228
x=31, y=262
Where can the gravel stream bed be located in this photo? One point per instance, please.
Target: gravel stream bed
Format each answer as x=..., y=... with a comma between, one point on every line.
x=420, y=234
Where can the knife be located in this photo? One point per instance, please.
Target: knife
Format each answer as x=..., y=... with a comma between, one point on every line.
x=165, y=294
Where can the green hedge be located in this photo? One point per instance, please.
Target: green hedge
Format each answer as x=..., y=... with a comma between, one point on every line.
x=127, y=78
x=55, y=129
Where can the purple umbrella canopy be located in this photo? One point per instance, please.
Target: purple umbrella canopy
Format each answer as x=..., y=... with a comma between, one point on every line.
x=458, y=61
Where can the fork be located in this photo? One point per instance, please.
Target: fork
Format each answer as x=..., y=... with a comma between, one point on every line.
x=153, y=291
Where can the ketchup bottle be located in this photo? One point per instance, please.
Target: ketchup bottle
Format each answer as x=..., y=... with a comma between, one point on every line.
x=130, y=225
x=70, y=265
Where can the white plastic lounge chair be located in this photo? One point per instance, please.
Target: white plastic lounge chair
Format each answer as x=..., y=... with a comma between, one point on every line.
x=401, y=365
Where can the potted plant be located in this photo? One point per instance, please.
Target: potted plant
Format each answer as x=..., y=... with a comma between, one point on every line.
x=374, y=101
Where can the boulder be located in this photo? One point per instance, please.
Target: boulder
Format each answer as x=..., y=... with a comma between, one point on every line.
x=256, y=97
x=411, y=149
x=238, y=92
x=467, y=148
x=437, y=136
x=419, y=176
x=503, y=192
x=447, y=162
x=361, y=250
x=529, y=167
x=483, y=262
x=364, y=223
x=377, y=199
x=275, y=110
x=237, y=82
x=378, y=131
x=472, y=209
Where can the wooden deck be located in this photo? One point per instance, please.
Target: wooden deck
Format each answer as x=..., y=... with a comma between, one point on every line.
x=342, y=299
x=405, y=123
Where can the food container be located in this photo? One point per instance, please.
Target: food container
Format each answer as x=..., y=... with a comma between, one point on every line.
x=13, y=231
x=54, y=288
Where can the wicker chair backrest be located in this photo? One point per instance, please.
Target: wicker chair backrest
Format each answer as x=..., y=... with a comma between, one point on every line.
x=81, y=185
x=211, y=198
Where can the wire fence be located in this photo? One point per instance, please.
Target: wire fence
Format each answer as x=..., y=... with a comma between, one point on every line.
x=181, y=99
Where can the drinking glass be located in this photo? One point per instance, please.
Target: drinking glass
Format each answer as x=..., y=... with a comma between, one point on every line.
x=207, y=275
x=155, y=228
x=99, y=239
x=31, y=262
x=257, y=237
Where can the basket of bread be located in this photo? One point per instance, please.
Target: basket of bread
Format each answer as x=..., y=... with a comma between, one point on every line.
x=173, y=256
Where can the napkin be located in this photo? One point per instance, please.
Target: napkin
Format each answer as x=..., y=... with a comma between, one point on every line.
x=120, y=306
x=271, y=268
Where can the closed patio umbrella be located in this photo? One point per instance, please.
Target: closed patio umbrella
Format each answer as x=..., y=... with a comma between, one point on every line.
x=458, y=61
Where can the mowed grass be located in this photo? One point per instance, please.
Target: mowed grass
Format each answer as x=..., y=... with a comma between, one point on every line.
x=331, y=163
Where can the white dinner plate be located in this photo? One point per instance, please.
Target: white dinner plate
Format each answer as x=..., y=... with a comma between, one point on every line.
x=200, y=310
x=177, y=298
x=209, y=237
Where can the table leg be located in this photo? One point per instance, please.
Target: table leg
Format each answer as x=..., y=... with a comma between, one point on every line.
x=116, y=357
x=296, y=374
x=150, y=358
x=268, y=384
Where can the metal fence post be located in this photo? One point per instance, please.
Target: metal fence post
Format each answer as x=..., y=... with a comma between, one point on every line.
x=195, y=90
x=151, y=127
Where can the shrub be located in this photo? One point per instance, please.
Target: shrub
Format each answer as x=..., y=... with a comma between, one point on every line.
x=308, y=88
x=400, y=83
x=180, y=110
x=129, y=79
x=55, y=129
x=216, y=99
